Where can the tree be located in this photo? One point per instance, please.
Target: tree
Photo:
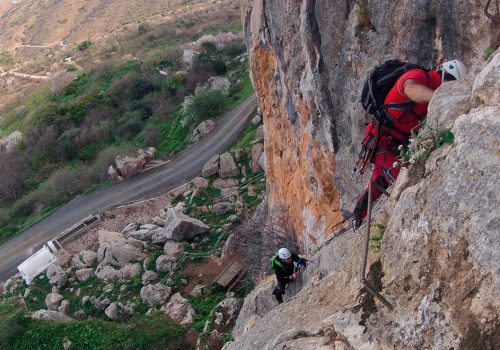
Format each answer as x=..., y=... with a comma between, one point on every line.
x=14, y=174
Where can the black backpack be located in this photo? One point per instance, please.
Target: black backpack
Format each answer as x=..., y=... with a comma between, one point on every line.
x=377, y=86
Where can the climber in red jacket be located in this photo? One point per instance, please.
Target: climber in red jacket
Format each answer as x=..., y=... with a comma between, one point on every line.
x=415, y=85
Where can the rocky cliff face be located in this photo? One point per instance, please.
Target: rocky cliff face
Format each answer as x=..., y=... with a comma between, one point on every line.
x=308, y=61
x=439, y=262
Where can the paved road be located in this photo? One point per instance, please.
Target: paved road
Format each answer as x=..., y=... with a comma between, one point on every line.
x=183, y=166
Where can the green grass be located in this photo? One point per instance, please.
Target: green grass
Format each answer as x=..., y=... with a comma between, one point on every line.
x=203, y=307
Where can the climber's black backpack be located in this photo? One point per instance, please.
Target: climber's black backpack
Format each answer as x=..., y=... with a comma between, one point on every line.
x=377, y=86
x=375, y=90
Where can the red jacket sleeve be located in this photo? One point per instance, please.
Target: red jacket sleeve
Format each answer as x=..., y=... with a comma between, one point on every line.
x=416, y=74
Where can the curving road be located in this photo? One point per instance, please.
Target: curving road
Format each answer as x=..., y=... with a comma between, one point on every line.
x=182, y=167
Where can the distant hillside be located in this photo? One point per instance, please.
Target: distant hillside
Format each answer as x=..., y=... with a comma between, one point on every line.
x=42, y=22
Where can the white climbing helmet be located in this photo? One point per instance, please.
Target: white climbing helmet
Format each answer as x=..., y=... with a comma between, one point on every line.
x=284, y=253
x=456, y=68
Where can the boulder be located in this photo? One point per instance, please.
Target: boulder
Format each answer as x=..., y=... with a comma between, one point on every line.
x=211, y=167
x=77, y=262
x=112, y=311
x=135, y=242
x=113, y=174
x=172, y=248
x=53, y=300
x=199, y=291
x=120, y=254
x=88, y=257
x=64, y=307
x=130, y=227
x=257, y=151
x=107, y=237
x=179, y=191
x=56, y=275
x=188, y=56
x=230, y=308
x=256, y=120
x=149, y=277
x=228, y=167
x=128, y=271
x=142, y=234
x=486, y=89
x=259, y=135
x=50, y=315
x=179, y=227
x=165, y=263
x=222, y=208
x=128, y=166
x=200, y=182
x=225, y=183
x=80, y=315
x=84, y=274
x=179, y=310
x=204, y=128
x=155, y=294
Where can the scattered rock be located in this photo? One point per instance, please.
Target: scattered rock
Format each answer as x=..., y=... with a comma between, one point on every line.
x=179, y=310
x=84, y=274
x=135, y=242
x=231, y=193
x=80, y=315
x=200, y=182
x=119, y=253
x=257, y=151
x=256, y=120
x=127, y=272
x=108, y=288
x=176, y=192
x=172, y=249
x=204, y=128
x=228, y=167
x=112, y=311
x=88, y=257
x=64, y=307
x=130, y=227
x=259, y=135
x=53, y=300
x=127, y=166
x=155, y=294
x=230, y=308
x=225, y=183
x=211, y=167
x=142, y=235
x=165, y=263
x=56, y=275
x=199, y=291
x=149, y=277
x=104, y=303
x=222, y=208
x=179, y=227
x=85, y=299
x=158, y=221
x=10, y=142
x=67, y=344
x=107, y=237
x=50, y=315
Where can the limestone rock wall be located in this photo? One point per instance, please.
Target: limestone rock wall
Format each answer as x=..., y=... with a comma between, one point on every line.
x=308, y=60
x=439, y=263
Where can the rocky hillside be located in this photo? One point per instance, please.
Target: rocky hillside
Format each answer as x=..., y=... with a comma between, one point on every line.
x=437, y=260
x=308, y=63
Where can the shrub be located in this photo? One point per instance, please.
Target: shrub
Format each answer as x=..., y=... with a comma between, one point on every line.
x=151, y=135
x=207, y=102
x=143, y=28
x=84, y=45
x=6, y=59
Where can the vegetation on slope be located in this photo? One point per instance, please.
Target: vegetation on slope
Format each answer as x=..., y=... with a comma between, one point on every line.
x=72, y=134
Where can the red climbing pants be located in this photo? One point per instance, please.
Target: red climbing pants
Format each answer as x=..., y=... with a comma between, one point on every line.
x=383, y=175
